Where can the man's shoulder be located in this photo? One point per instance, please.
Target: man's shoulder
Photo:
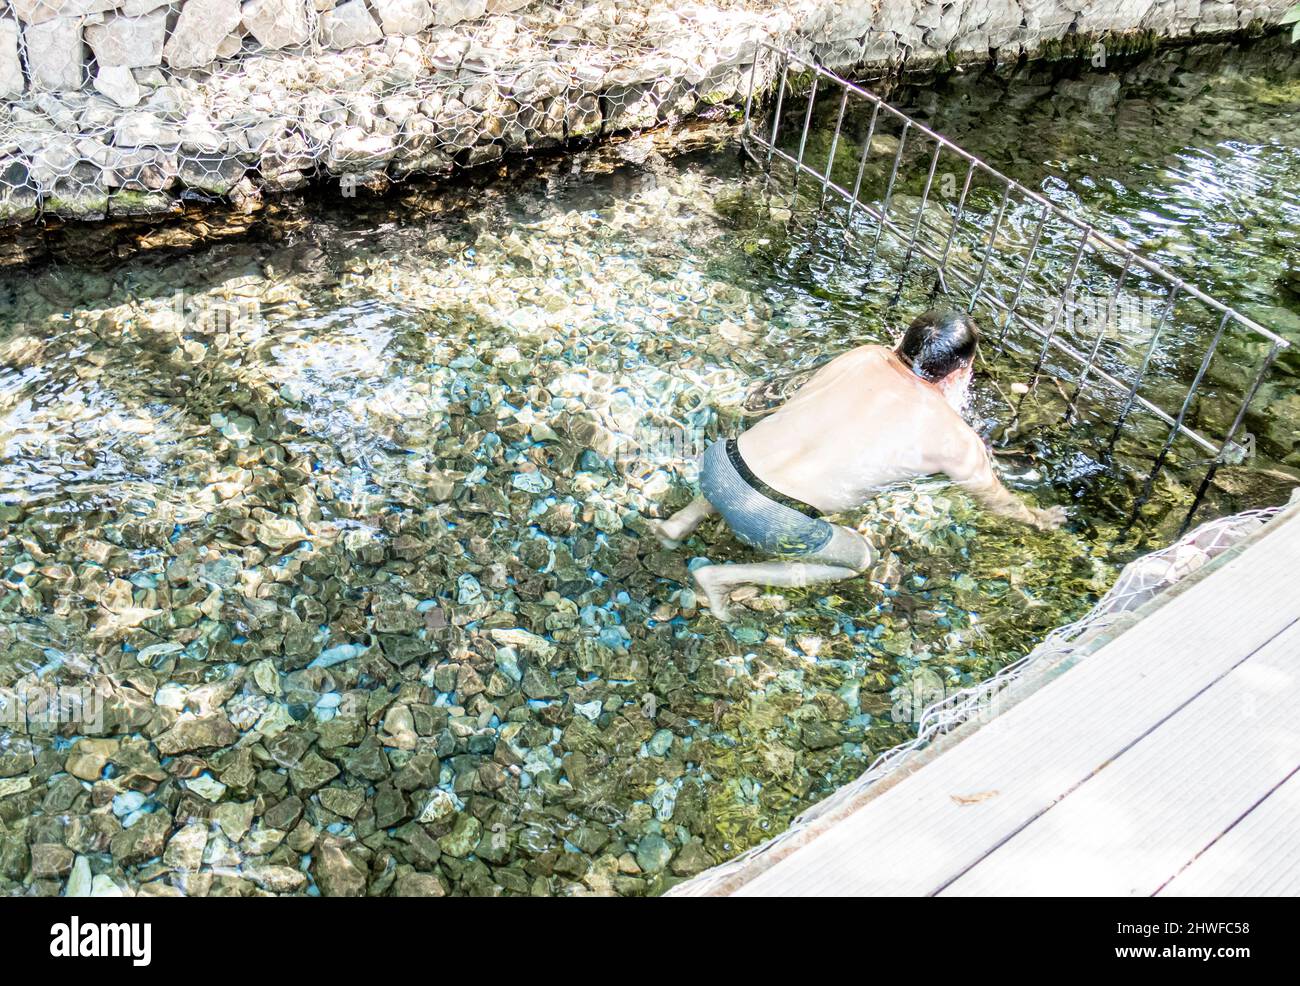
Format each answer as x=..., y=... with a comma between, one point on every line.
x=870, y=353
x=955, y=446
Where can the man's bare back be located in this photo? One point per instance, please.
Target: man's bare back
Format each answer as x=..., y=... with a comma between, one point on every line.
x=862, y=422
x=869, y=418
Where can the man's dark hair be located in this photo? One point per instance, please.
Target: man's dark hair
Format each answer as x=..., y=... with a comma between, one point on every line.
x=938, y=342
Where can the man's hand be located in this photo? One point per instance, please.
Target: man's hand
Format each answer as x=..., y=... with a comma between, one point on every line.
x=967, y=461
x=974, y=470
x=1049, y=519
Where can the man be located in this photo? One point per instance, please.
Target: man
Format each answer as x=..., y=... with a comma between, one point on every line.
x=868, y=418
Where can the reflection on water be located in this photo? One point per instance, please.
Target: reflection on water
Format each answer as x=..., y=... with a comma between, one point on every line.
x=350, y=524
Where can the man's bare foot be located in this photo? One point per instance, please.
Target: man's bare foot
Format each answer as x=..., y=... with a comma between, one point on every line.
x=660, y=529
x=1049, y=519
x=715, y=591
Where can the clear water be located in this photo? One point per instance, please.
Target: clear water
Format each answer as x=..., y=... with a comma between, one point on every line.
x=349, y=517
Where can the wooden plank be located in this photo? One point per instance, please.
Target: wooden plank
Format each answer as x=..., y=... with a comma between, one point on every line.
x=1143, y=817
x=1257, y=857
x=930, y=828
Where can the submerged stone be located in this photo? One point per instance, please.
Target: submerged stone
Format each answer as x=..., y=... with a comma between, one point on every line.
x=653, y=853
x=463, y=837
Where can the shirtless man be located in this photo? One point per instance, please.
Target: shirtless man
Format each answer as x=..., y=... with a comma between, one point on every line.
x=868, y=418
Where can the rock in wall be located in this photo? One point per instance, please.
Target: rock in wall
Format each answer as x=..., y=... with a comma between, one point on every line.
x=125, y=107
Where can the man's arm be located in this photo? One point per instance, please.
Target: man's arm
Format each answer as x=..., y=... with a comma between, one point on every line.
x=971, y=467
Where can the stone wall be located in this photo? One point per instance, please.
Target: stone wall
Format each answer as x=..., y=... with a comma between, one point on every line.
x=121, y=108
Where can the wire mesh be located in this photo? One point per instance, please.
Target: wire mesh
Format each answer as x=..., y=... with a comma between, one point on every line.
x=130, y=107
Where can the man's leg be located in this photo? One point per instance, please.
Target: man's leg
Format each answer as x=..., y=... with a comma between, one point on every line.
x=681, y=525
x=845, y=555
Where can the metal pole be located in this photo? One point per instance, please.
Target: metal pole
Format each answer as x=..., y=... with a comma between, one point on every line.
x=776, y=114
x=1274, y=348
x=893, y=176
x=862, y=163
x=749, y=96
x=1024, y=273
x=1065, y=299
x=920, y=210
x=835, y=143
x=988, y=250
x=1096, y=342
x=1146, y=360
x=942, y=264
x=803, y=139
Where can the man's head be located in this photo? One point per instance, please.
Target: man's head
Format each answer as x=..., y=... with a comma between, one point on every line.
x=940, y=349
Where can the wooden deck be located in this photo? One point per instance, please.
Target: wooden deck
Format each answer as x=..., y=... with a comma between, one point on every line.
x=1166, y=762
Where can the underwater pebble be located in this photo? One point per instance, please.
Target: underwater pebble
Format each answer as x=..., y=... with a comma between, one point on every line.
x=337, y=655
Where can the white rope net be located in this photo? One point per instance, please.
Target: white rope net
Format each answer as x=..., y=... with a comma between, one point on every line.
x=1140, y=581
